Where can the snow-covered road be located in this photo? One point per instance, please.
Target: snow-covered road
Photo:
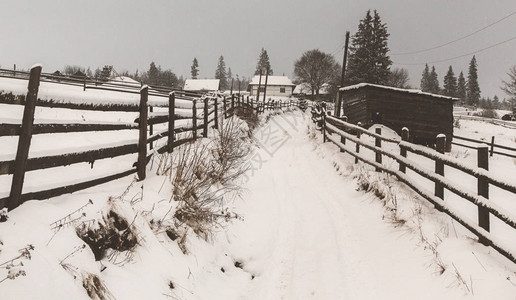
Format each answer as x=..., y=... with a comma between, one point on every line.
x=309, y=234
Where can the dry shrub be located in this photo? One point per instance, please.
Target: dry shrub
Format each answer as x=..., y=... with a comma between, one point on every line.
x=114, y=232
x=95, y=288
x=204, y=175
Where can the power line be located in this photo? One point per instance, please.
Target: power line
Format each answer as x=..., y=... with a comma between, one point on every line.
x=459, y=56
x=456, y=40
x=338, y=49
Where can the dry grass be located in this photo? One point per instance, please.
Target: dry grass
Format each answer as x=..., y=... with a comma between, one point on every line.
x=204, y=176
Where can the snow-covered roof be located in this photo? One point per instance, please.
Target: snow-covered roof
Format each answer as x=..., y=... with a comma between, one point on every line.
x=272, y=80
x=202, y=85
x=304, y=88
x=413, y=91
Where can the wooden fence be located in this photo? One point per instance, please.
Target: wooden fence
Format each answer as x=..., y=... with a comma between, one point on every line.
x=144, y=123
x=340, y=132
x=246, y=102
x=509, y=151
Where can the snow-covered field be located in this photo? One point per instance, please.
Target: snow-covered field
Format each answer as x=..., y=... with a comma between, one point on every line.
x=305, y=229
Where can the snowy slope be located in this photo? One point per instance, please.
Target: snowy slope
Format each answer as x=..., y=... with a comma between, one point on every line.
x=305, y=232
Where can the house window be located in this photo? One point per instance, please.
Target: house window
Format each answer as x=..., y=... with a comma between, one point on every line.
x=262, y=89
x=282, y=90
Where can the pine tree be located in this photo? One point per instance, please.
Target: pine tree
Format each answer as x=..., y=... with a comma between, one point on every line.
x=153, y=74
x=433, y=82
x=461, y=87
x=425, y=79
x=472, y=88
x=368, y=58
x=220, y=74
x=450, y=83
x=230, y=76
x=194, y=70
x=496, y=102
x=263, y=64
x=105, y=74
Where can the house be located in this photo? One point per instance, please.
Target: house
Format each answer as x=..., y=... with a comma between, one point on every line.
x=304, y=91
x=425, y=115
x=202, y=85
x=276, y=86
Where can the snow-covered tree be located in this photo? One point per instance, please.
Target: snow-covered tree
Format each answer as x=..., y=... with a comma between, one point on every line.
x=368, y=58
x=220, y=73
x=316, y=68
x=461, y=87
x=433, y=82
x=450, y=83
x=263, y=64
x=472, y=87
x=153, y=75
x=425, y=77
x=194, y=70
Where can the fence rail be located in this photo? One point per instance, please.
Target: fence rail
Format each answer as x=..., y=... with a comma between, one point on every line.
x=338, y=132
x=144, y=123
x=492, y=146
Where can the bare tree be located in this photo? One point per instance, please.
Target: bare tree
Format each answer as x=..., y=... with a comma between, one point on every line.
x=509, y=87
x=316, y=68
x=399, y=78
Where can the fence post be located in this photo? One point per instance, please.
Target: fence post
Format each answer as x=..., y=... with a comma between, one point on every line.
x=378, y=143
x=324, y=125
x=357, y=146
x=403, y=150
x=232, y=104
x=194, y=119
x=247, y=100
x=205, y=125
x=171, y=120
x=216, y=125
x=151, y=128
x=25, y=138
x=224, y=107
x=440, y=145
x=342, y=140
x=142, y=143
x=483, y=188
x=492, y=146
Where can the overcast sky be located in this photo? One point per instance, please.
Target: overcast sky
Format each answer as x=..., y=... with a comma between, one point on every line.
x=130, y=34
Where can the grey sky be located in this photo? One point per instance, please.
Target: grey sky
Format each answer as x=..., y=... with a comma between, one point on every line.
x=130, y=34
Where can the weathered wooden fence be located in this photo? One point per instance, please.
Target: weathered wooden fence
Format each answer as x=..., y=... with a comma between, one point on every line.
x=339, y=132
x=204, y=110
x=509, y=151
x=236, y=101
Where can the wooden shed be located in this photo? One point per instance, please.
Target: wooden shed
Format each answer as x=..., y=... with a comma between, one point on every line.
x=425, y=115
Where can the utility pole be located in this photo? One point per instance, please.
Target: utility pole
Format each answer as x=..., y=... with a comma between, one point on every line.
x=265, y=88
x=338, y=100
x=259, y=86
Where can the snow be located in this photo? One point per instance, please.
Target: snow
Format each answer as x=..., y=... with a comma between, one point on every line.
x=202, y=84
x=306, y=231
x=63, y=93
x=411, y=91
x=304, y=88
x=272, y=80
